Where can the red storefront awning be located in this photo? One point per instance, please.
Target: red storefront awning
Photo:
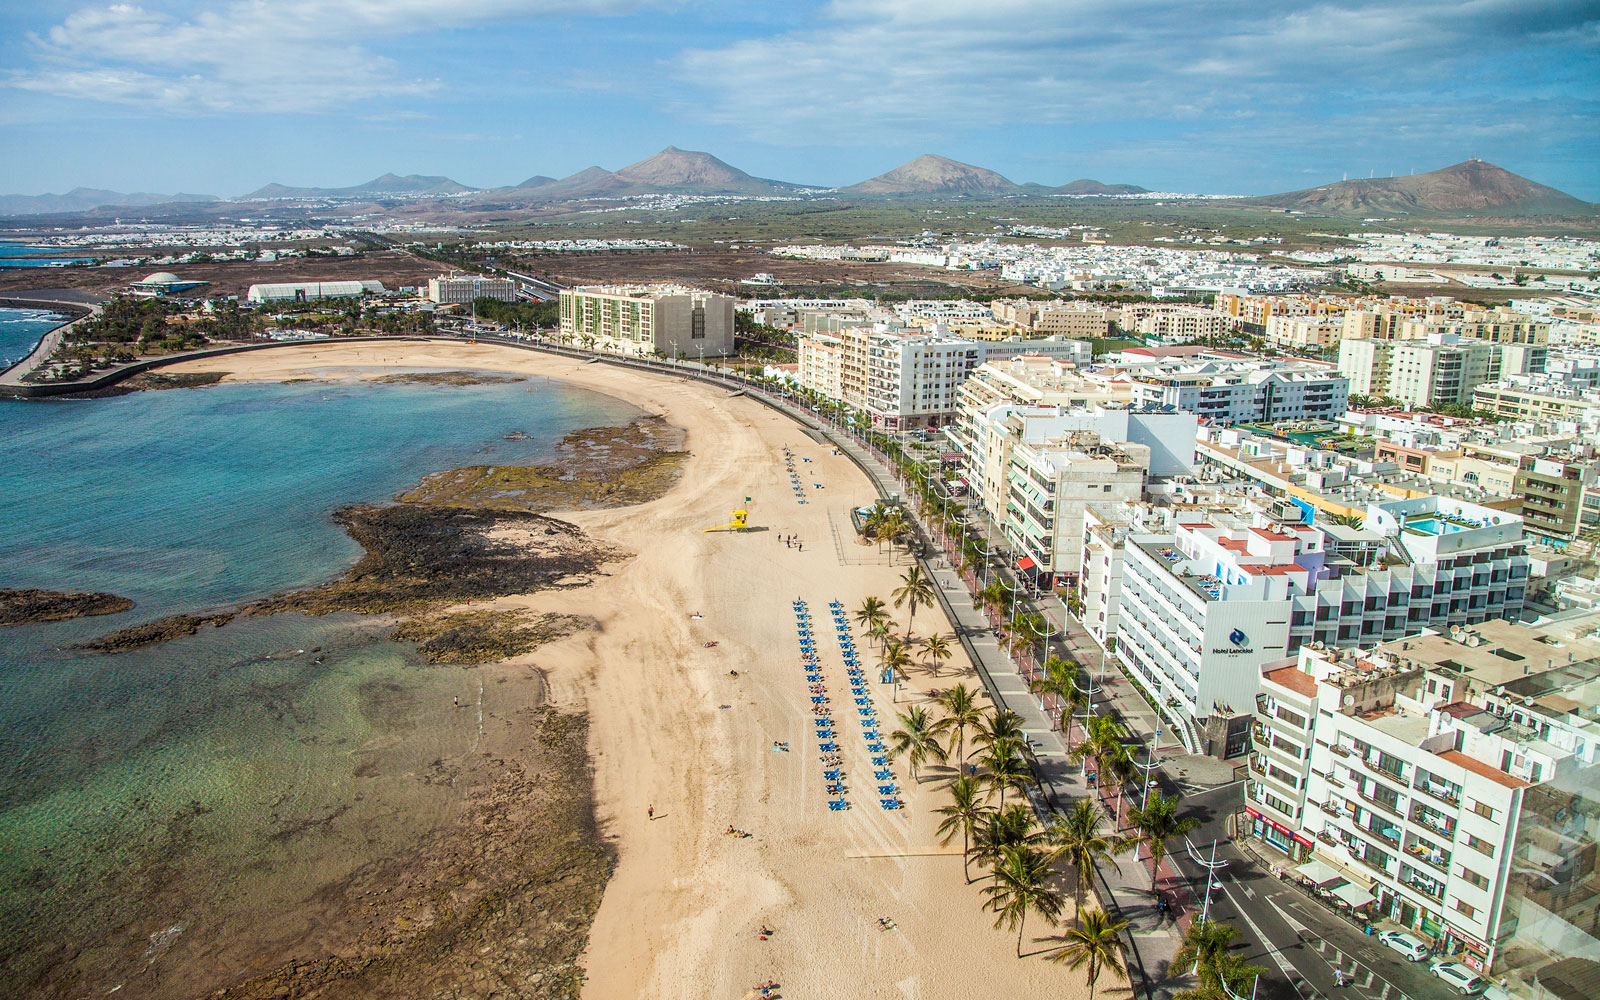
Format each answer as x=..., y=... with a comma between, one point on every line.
x=1025, y=563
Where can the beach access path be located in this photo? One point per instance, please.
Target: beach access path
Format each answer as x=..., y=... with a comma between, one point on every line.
x=674, y=728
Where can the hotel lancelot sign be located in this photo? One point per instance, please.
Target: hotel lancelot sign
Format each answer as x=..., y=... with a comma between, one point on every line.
x=1240, y=644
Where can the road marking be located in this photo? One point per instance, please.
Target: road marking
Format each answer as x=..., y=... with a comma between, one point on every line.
x=1248, y=892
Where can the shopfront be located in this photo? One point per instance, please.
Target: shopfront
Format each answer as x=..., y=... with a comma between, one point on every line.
x=1275, y=834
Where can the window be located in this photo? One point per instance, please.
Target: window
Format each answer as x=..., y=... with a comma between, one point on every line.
x=1467, y=909
x=1480, y=845
x=1483, y=810
x=1474, y=878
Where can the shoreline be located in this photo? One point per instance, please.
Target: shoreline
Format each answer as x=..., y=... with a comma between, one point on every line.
x=688, y=727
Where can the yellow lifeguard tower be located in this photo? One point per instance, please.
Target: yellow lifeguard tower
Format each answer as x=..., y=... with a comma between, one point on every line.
x=740, y=522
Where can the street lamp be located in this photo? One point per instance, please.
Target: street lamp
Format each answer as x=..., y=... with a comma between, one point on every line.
x=1212, y=867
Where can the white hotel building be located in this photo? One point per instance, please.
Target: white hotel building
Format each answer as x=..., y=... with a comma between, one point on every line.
x=1413, y=792
x=1205, y=609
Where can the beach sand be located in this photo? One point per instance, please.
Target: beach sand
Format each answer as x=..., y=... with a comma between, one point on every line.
x=671, y=728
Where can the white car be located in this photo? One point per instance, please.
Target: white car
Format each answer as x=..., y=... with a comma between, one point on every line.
x=1412, y=949
x=1466, y=981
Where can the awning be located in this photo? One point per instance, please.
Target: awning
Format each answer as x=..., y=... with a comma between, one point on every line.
x=1317, y=872
x=1353, y=894
x=1025, y=563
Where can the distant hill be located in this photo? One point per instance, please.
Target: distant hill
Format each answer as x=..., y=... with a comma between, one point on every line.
x=537, y=180
x=83, y=199
x=934, y=175
x=1088, y=187
x=415, y=185
x=671, y=171
x=1470, y=188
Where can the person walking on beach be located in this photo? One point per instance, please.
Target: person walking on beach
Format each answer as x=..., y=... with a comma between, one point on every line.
x=650, y=811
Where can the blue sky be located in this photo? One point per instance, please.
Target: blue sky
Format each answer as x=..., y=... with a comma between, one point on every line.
x=220, y=97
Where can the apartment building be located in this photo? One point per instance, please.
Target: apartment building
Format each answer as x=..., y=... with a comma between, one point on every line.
x=1304, y=333
x=462, y=289
x=820, y=362
x=1242, y=392
x=1557, y=490
x=649, y=319
x=1049, y=482
x=1533, y=398
x=1446, y=782
x=1178, y=324
x=1205, y=608
x=1442, y=368
x=1030, y=379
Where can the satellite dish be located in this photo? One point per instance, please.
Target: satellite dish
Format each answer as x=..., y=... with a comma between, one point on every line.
x=1349, y=699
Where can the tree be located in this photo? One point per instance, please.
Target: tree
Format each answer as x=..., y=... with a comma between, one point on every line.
x=917, y=739
x=872, y=611
x=1095, y=943
x=894, y=659
x=878, y=632
x=1157, y=822
x=1060, y=681
x=1102, y=737
x=1076, y=836
x=1206, y=948
x=999, y=724
x=961, y=712
x=895, y=524
x=1021, y=884
x=915, y=588
x=1347, y=520
x=1004, y=767
x=936, y=648
x=964, y=813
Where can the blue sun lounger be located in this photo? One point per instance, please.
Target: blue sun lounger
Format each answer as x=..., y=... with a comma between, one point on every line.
x=832, y=775
x=887, y=790
x=889, y=803
x=837, y=804
x=883, y=775
x=875, y=747
x=829, y=748
x=881, y=761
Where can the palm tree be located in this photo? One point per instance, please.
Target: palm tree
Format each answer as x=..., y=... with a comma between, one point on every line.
x=895, y=524
x=878, y=631
x=1076, y=837
x=894, y=659
x=877, y=519
x=915, y=588
x=1021, y=883
x=964, y=813
x=1348, y=520
x=1094, y=943
x=936, y=648
x=917, y=739
x=961, y=712
x=1000, y=724
x=1102, y=737
x=1004, y=768
x=1060, y=681
x=1203, y=943
x=872, y=610
x=1157, y=821
x=1001, y=828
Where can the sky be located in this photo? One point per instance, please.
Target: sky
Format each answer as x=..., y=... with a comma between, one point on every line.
x=1207, y=96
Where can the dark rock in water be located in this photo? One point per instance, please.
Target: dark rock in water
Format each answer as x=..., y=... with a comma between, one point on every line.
x=468, y=637
x=449, y=378
x=24, y=607
x=154, y=632
x=419, y=555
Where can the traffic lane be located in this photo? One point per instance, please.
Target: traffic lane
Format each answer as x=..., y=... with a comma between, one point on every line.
x=1257, y=944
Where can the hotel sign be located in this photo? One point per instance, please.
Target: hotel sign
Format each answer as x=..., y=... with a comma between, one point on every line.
x=1240, y=644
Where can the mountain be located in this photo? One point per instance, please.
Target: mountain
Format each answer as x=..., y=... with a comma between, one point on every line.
x=537, y=180
x=1470, y=188
x=1088, y=187
x=83, y=199
x=389, y=184
x=671, y=171
x=934, y=175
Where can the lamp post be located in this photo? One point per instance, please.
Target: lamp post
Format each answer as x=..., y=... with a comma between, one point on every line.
x=1212, y=867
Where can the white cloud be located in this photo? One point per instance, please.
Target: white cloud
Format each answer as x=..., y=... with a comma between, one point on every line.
x=255, y=55
x=892, y=70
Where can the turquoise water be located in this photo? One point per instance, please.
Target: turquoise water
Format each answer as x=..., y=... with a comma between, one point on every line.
x=130, y=782
x=20, y=330
x=17, y=255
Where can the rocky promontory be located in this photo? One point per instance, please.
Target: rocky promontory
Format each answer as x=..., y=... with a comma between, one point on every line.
x=28, y=607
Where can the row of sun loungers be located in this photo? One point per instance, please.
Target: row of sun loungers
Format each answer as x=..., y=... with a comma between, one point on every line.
x=833, y=774
x=888, y=792
x=794, y=477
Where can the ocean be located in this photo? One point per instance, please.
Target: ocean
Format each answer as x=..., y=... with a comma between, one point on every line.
x=147, y=793
x=20, y=255
x=20, y=330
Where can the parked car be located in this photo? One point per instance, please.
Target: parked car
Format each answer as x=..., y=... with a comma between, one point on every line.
x=1466, y=981
x=1412, y=949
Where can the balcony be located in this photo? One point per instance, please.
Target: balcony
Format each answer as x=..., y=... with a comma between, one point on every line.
x=1392, y=808
x=1331, y=809
x=1393, y=841
x=1441, y=794
x=1341, y=749
x=1373, y=865
x=1420, y=885
x=1382, y=772
x=1439, y=860
x=1443, y=827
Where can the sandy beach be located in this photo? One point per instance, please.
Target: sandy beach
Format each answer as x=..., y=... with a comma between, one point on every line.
x=672, y=728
